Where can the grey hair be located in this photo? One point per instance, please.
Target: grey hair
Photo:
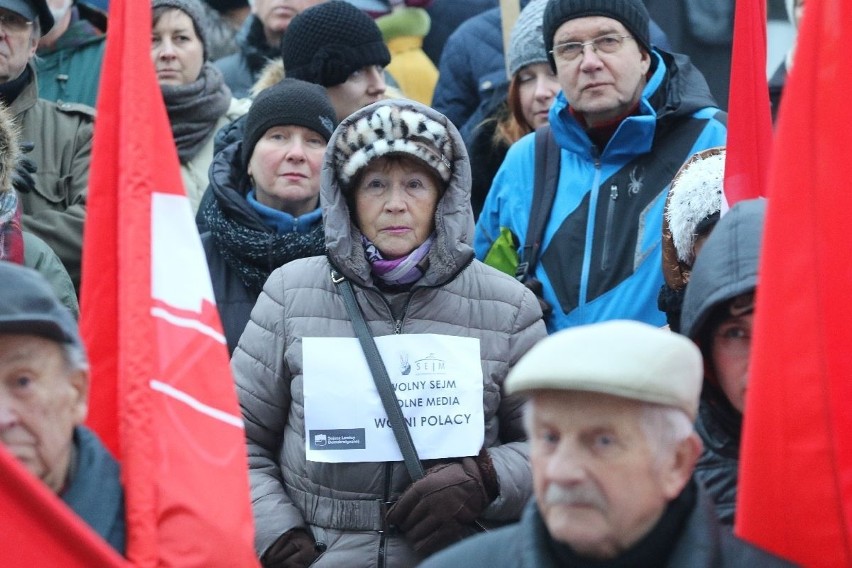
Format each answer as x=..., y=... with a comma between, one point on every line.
x=75, y=357
x=664, y=427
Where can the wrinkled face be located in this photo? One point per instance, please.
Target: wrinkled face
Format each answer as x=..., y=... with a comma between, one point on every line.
x=537, y=88
x=285, y=167
x=18, y=44
x=731, y=354
x=362, y=88
x=601, y=86
x=41, y=402
x=395, y=202
x=276, y=15
x=599, y=485
x=176, y=51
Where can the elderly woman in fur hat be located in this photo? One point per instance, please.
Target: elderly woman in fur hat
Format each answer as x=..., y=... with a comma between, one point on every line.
x=197, y=99
x=328, y=483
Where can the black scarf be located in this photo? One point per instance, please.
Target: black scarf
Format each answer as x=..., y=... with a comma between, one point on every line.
x=654, y=548
x=254, y=253
x=195, y=108
x=10, y=90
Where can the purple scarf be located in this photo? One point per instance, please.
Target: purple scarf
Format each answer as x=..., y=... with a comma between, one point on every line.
x=399, y=271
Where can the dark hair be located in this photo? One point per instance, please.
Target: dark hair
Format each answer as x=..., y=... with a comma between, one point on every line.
x=511, y=124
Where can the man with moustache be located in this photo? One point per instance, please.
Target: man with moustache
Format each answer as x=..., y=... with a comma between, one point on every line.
x=258, y=41
x=612, y=449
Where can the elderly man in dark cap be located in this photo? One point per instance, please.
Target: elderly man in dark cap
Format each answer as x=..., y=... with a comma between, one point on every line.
x=60, y=134
x=612, y=450
x=628, y=115
x=44, y=386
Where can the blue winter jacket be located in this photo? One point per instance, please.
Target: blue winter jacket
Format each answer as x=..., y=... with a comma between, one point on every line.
x=601, y=252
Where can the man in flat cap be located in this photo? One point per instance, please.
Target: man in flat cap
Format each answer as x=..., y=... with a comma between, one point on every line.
x=44, y=386
x=612, y=450
x=60, y=135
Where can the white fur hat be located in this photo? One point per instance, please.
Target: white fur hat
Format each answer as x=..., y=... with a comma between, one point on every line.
x=392, y=128
x=620, y=358
x=695, y=194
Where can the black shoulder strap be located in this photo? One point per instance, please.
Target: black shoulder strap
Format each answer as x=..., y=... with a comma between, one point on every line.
x=544, y=191
x=381, y=378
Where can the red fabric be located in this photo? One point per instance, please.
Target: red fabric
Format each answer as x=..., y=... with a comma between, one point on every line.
x=795, y=488
x=40, y=530
x=749, y=144
x=162, y=394
x=11, y=238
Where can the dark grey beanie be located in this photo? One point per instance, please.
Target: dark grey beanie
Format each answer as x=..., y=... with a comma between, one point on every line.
x=526, y=45
x=194, y=10
x=290, y=102
x=328, y=42
x=631, y=13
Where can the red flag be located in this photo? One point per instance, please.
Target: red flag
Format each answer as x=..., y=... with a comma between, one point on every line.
x=795, y=488
x=163, y=398
x=40, y=530
x=749, y=117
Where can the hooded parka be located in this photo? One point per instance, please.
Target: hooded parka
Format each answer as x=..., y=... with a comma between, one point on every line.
x=725, y=269
x=341, y=504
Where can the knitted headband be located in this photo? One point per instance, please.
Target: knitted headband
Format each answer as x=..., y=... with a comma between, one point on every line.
x=290, y=102
x=526, y=45
x=328, y=42
x=392, y=128
x=631, y=13
x=194, y=11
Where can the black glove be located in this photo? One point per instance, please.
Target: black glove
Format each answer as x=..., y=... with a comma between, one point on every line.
x=22, y=177
x=440, y=509
x=535, y=286
x=293, y=549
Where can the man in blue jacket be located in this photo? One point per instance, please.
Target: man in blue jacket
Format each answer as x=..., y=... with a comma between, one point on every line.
x=626, y=119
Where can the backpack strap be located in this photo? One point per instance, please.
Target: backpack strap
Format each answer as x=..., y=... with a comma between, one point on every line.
x=547, y=158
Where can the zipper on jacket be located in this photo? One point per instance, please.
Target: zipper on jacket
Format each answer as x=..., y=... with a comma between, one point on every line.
x=610, y=213
x=590, y=233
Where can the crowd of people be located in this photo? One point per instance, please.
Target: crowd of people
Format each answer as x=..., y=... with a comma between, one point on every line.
x=533, y=245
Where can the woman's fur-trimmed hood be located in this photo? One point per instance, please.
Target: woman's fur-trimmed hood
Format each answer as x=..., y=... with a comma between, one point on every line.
x=452, y=250
x=10, y=151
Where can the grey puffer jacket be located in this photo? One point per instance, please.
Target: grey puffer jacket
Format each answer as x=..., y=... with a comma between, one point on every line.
x=341, y=504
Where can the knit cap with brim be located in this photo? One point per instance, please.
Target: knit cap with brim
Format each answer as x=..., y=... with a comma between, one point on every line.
x=392, y=127
x=290, y=102
x=631, y=13
x=194, y=10
x=526, y=44
x=627, y=359
x=328, y=42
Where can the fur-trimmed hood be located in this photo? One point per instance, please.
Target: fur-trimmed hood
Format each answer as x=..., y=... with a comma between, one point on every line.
x=9, y=149
x=452, y=250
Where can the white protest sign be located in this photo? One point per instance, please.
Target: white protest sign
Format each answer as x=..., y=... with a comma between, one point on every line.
x=438, y=384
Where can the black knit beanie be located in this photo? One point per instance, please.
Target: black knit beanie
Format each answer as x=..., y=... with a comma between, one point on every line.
x=290, y=102
x=328, y=42
x=194, y=10
x=631, y=13
x=225, y=5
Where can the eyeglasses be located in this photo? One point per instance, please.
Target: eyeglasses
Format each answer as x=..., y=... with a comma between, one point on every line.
x=14, y=22
x=571, y=50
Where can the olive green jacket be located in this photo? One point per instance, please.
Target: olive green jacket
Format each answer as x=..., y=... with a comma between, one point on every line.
x=61, y=135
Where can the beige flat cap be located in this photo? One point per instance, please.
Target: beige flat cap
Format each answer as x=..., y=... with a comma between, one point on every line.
x=620, y=358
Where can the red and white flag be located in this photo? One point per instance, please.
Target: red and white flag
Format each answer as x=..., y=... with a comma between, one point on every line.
x=40, y=530
x=795, y=484
x=162, y=394
x=749, y=144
